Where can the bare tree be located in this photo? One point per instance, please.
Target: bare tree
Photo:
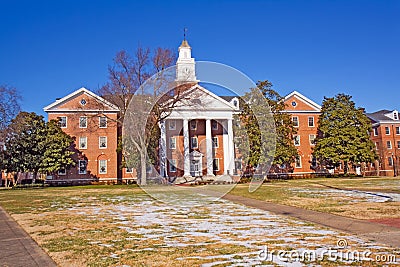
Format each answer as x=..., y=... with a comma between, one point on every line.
x=153, y=103
x=9, y=106
x=127, y=74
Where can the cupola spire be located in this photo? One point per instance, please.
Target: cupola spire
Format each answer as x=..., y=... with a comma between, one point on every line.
x=185, y=65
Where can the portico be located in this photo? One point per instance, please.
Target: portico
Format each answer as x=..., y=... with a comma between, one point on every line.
x=197, y=136
x=197, y=146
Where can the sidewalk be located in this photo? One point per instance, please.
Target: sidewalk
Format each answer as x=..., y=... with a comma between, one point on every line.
x=17, y=248
x=376, y=232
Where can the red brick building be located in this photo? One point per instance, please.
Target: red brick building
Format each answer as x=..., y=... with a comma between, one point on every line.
x=195, y=141
x=91, y=120
x=386, y=136
x=305, y=114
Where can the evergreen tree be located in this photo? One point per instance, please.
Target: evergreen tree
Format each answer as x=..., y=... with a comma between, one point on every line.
x=31, y=145
x=343, y=134
x=57, y=154
x=24, y=144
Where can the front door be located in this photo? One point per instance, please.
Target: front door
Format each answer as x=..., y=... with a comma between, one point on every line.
x=195, y=168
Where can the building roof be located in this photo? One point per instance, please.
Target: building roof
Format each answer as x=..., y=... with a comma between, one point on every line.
x=382, y=116
x=224, y=100
x=185, y=44
x=304, y=99
x=228, y=97
x=60, y=101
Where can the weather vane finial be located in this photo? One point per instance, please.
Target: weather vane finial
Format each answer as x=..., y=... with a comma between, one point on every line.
x=184, y=33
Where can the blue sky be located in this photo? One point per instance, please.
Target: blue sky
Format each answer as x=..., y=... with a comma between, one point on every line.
x=320, y=48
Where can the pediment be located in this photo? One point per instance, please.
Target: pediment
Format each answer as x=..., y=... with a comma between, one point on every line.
x=81, y=100
x=298, y=102
x=198, y=98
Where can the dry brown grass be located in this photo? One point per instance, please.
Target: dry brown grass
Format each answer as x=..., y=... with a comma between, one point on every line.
x=310, y=194
x=85, y=227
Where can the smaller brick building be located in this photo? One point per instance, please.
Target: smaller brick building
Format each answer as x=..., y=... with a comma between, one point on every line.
x=305, y=114
x=92, y=121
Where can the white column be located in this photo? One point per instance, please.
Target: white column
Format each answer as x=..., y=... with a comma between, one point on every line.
x=186, y=159
x=225, y=139
x=231, y=147
x=163, y=150
x=209, y=148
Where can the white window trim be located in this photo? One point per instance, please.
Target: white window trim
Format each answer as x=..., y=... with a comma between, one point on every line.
x=396, y=115
x=105, y=142
x=238, y=164
x=309, y=137
x=218, y=167
x=105, y=118
x=172, y=126
x=197, y=142
x=313, y=121
x=80, y=142
x=66, y=122
x=171, y=164
x=298, y=123
x=85, y=123
x=387, y=127
x=100, y=161
x=375, y=130
x=295, y=163
x=235, y=102
x=215, y=144
x=79, y=167
x=390, y=161
x=170, y=143
x=398, y=128
x=389, y=144
x=398, y=144
x=62, y=173
x=294, y=140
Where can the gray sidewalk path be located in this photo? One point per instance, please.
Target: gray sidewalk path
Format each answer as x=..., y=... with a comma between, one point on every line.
x=17, y=248
x=383, y=234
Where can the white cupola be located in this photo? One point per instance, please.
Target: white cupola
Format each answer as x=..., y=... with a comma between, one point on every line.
x=185, y=65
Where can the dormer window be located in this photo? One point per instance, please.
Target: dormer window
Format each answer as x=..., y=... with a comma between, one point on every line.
x=393, y=115
x=396, y=115
x=234, y=102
